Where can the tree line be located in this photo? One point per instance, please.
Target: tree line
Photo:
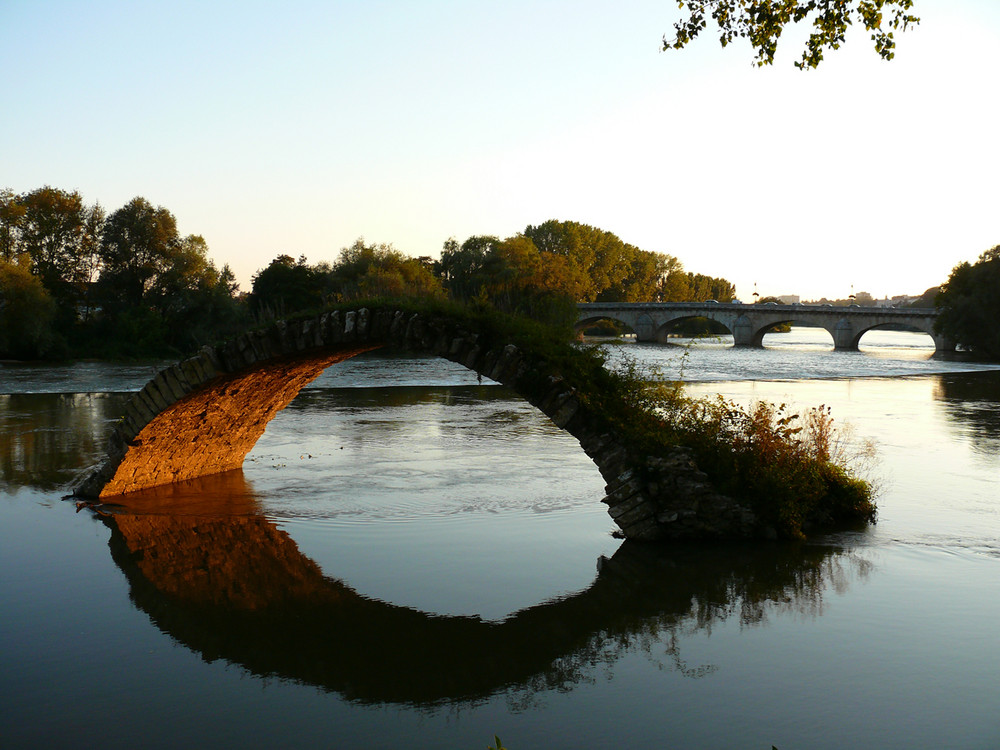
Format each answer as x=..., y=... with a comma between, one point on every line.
x=76, y=281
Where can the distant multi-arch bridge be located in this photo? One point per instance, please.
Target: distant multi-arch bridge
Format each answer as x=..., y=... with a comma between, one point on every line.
x=651, y=321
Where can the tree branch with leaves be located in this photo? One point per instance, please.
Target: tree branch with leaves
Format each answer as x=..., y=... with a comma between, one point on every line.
x=762, y=22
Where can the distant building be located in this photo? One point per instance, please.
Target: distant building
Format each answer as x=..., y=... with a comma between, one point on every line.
x=789, y=299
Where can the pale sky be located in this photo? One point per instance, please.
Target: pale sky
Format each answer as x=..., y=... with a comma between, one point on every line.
x=297, y=127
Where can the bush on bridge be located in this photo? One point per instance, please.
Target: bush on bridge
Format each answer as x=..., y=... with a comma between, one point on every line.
x=794, y=471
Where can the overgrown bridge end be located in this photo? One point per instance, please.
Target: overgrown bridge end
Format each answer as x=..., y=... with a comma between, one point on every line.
x=203, y=415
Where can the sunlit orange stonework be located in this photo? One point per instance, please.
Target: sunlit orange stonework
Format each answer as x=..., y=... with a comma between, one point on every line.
x=212, y=429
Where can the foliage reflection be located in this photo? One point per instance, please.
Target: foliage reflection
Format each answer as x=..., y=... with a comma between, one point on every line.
x=971, y=404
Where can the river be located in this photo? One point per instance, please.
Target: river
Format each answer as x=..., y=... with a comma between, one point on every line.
x=412, y=558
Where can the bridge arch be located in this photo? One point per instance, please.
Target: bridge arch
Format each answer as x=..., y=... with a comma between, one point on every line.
x=203, y=415
x=762, y=325
x=669, y=322
x=910, y=326
x=587, y=322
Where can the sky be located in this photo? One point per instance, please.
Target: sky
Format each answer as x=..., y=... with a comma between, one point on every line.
x=298, y=127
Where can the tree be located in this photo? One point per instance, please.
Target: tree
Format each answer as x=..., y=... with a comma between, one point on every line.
x=60, y=235
x=288, y=286
x=135, y=250
x=970, y=305
x=26, y=312
x=159, y=291
x=11, y=216
x=461, y=266
x=366, y=271
x=762, y=22
x=600, y=256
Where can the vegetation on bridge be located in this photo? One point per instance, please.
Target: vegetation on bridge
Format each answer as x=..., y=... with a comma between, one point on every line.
x=796, y=472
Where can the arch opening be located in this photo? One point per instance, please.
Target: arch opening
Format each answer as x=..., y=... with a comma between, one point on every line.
x=605, y=327
x=897, y=340
x=695, y=330
x=795, y=334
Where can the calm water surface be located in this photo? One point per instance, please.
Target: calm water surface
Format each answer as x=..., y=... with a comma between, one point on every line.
x=413, y=559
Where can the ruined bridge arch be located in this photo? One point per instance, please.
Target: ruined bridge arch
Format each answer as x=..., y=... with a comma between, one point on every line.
x=203, y=415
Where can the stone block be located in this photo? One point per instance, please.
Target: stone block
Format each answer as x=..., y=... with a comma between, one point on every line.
x=565, y=413
x=415, y=330
x=618, y=508
x=644, y=530
x=261, y=345
x=173, y=384
x=318, y=335
x=610, y=456
x=578, y=423
x=192, y=372
x=556, y=397
x=245, y=348
x=148, y=404
x=334, y=328
x=308, y=335
x=140, y=411
x=362, y=323
x=513, y=372
x=129, y=426
x=210, y=362
x=178, y=372
x=398, y=327
x=350, y=325
x=503, y=361
x=489, y=358
x=640, y=512
x=381, y=324
x=227, y=355
x=159, y=399
x=624, y=478
x=286, y=344
x=623, y=491
x=472, y=357
x=296, y=331
x=323, y=323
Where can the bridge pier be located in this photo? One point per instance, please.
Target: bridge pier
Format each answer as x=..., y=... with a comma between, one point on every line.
x=943, y=343
x=844, y=336
x=743, y=332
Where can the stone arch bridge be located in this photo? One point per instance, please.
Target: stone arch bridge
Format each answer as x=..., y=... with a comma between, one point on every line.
x=203, y=415
x=749, y=323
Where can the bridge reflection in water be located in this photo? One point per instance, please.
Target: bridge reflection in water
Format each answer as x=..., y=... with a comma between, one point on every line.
x=215, y=574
